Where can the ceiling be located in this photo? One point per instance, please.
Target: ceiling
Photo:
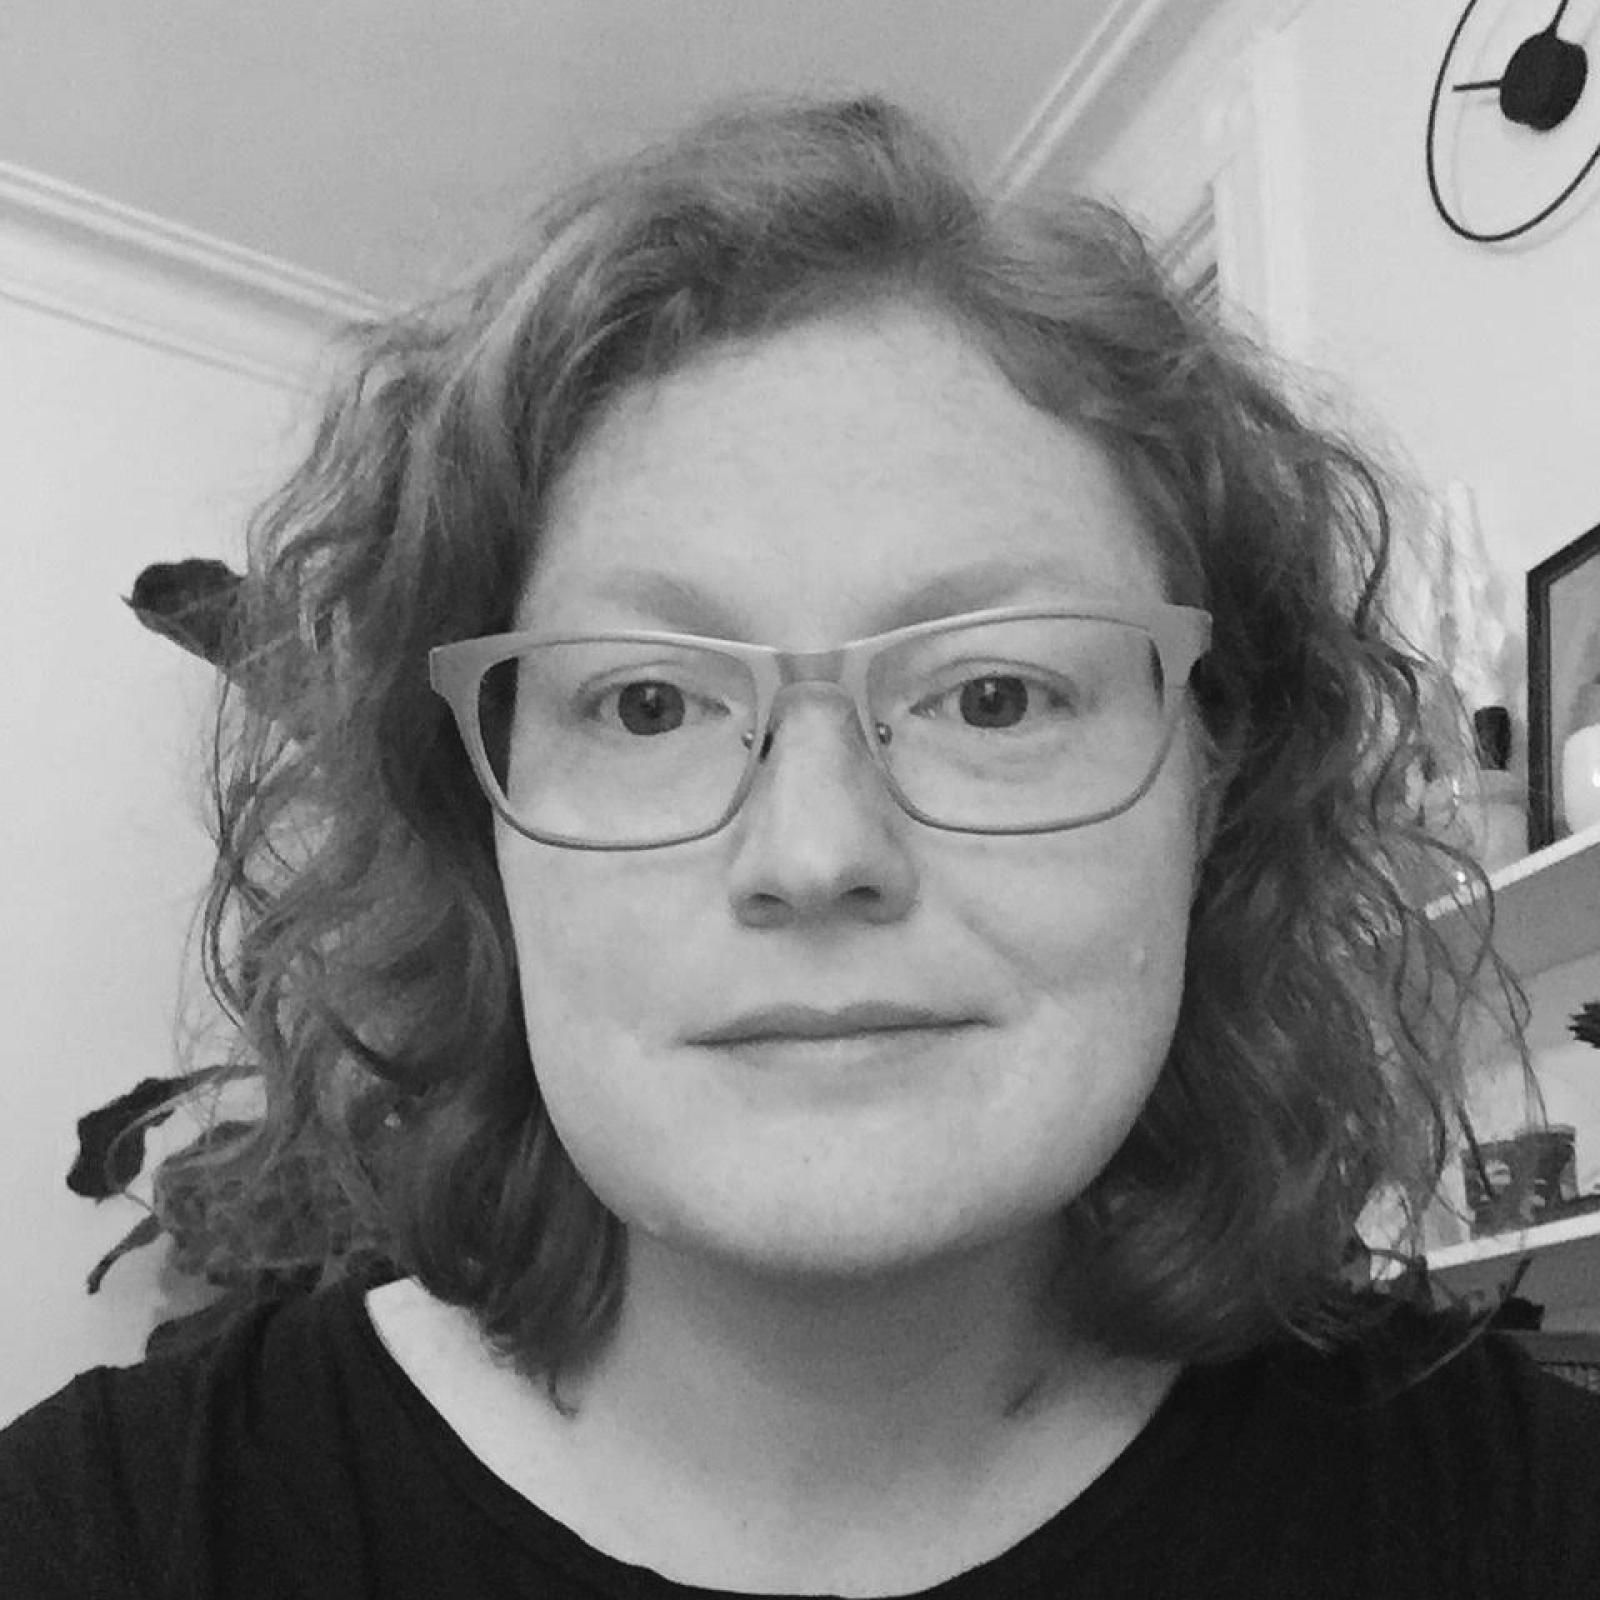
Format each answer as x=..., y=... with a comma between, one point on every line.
x=384, y=143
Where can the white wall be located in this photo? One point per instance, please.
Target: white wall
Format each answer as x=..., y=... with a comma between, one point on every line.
x=148, y=401
x=1478, y=365
x=1485, y=358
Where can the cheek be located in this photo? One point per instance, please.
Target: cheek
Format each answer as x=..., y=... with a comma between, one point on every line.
x=588, y=952
x=1101, y=1002
x=606, y=983
x=591, y=979
x=1101, y=987
x=1091, y=930
x=1104, y=907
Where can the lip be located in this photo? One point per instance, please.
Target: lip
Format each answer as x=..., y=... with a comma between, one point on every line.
x=814, y=1022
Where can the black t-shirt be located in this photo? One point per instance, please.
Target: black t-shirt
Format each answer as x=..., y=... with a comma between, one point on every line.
x=293, y=1457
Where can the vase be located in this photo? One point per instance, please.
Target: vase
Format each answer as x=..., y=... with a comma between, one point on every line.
x=1580, y=778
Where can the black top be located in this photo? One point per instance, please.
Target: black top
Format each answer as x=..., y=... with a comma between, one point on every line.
x=293, y=1457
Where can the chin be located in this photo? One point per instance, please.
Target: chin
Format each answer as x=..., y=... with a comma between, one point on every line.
x=825, y=1243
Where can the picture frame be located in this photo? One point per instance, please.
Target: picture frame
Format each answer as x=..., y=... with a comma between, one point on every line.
x=1563, y=656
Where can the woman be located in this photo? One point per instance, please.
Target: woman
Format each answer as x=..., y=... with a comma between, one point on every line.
x=817, y=881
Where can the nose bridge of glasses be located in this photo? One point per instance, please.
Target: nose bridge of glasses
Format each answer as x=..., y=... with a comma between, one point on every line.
x=839, y=672
x=810, y=666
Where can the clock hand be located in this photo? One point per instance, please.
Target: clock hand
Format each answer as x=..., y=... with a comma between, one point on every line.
x=1548, y=30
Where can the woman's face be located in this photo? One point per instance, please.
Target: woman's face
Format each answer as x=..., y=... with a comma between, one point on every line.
x=803, y=486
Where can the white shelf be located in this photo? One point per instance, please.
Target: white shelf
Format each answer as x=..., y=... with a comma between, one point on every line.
x=1547, y=906
x=1564, y=1276
x=1499, y=1247
x=1547, y=913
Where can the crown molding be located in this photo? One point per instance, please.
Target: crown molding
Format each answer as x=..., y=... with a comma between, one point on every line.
x=1082, y=92
x=92, y=260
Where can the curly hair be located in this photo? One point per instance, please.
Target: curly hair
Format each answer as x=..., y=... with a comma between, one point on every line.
x=356, y=931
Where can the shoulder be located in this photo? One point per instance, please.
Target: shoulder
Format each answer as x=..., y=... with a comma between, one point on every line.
x=1450, y=1450
x=1411, y=1366
x=1435, y=1384
x=102, y=1484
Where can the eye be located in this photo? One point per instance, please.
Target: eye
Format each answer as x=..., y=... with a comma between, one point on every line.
x=994, y=701
x=651, y=707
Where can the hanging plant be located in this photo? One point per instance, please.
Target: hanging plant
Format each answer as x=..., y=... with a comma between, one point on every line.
x=1585, y=1023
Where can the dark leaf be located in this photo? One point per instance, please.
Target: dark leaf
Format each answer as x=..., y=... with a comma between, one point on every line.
x=106, y=1165
x=190, y=602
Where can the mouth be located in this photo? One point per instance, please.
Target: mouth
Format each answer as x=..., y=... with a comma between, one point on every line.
x=865, y=1021
x=857, y=1048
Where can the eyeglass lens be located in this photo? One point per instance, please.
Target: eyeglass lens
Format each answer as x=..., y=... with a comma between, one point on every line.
x=1032, y=722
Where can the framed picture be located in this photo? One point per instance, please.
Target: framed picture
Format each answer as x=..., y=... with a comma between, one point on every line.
x=1563, y=657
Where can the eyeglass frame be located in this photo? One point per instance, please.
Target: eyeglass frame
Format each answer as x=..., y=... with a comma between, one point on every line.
x=1181, y=634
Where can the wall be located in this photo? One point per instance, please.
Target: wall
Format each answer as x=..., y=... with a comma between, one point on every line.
x=1475, y=365
x=151, y=395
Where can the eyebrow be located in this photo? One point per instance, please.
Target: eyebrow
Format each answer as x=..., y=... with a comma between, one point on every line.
x=680, y=604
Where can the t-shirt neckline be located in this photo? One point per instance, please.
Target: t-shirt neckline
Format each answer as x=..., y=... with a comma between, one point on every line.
x=1037, y=1558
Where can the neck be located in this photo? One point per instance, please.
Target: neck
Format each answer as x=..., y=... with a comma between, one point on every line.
x=829, y=1397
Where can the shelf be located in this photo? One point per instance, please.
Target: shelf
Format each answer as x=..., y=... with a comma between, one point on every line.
x=1547, y=905
x=1547, y=913
x=1564, y=1276
x=1509, y=1246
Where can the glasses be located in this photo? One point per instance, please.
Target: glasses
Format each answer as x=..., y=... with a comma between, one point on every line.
x=1017, y=720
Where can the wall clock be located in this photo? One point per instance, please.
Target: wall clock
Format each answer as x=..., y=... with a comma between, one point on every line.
x=1512, y=125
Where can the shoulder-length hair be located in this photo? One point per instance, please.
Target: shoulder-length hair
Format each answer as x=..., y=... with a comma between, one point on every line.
x=355, y=929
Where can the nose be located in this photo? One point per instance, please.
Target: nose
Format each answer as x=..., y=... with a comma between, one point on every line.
x=819, y=837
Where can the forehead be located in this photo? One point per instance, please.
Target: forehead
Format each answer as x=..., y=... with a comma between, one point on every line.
x=810, y=485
